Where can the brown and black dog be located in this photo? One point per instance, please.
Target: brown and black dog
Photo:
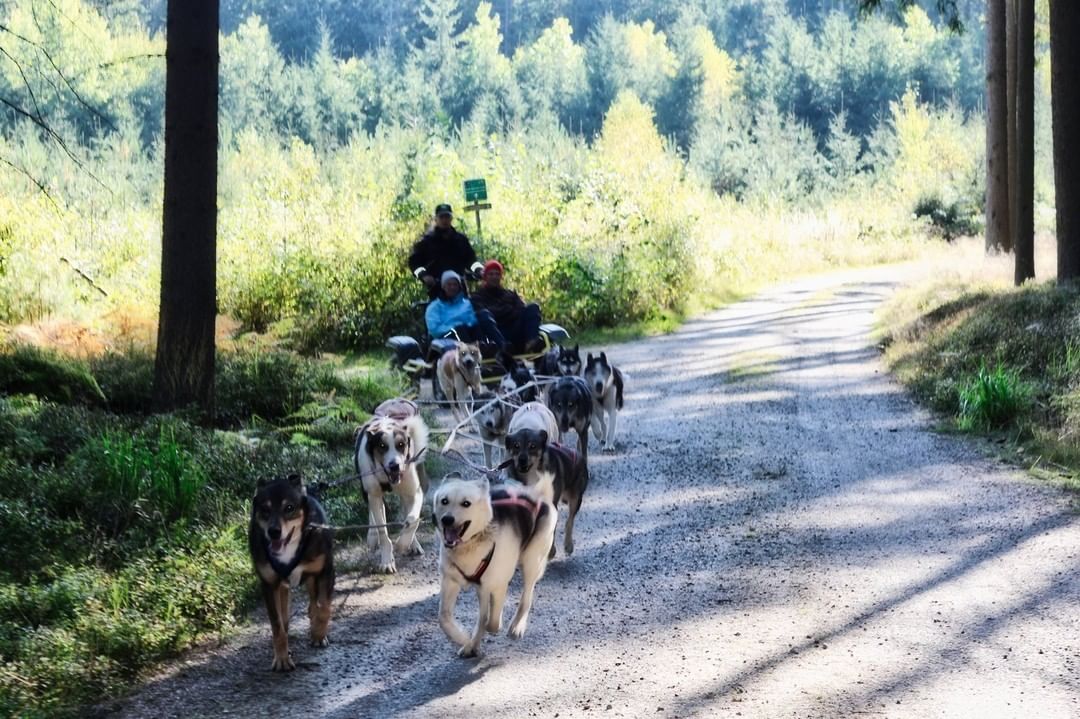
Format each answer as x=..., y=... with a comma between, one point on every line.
x=289, y=545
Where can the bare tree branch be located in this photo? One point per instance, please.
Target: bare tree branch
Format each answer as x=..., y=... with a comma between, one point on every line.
x=37, y=183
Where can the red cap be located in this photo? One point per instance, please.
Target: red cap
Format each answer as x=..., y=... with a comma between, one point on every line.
x=493, y=264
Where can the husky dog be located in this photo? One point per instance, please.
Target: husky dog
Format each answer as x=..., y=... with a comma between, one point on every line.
x=459, y=373
x=517, y=375
x=559, y=361
x=487, y=532
x=408, y=412
x=492, y=419
x=606, y=382
x=386, y=458
x=289, y=545
x=571, y=402
x=533, y=458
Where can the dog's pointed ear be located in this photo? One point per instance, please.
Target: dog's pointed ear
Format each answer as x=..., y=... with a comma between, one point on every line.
x=576, y=349
x=297, y=482
x=261, y=482
x=543, y=438
x=588, y=358
x=603, y=357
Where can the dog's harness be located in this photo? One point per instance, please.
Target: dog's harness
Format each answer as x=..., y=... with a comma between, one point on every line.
x=474, y=578
x=285, y=570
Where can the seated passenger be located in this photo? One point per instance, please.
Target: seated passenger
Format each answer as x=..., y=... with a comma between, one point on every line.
x=452, y=312
x=518, y=322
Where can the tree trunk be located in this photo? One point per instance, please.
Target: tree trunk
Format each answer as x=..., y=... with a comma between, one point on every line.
x=1022, y=183
x=1065, y=104
x=997, y=122
x=184, y=366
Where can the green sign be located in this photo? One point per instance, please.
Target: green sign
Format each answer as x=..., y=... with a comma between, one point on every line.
x=475, y=190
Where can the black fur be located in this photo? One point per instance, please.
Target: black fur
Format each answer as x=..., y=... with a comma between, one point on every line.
x=521, y=376
x=507, y=507
x=531, y=448
x=570, y=400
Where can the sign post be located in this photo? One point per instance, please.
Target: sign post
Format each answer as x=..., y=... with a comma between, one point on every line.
x=476, y=193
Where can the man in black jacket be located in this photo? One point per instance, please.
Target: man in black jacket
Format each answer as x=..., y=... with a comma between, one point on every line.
x=442, y=248
x=518, y=322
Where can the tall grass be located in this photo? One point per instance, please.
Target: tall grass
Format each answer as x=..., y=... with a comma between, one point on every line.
x=993, y=399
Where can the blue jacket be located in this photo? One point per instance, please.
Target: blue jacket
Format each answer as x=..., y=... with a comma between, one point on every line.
x=443, y=316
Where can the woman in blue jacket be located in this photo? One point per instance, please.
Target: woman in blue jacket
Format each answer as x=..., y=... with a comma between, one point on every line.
x=454, y=312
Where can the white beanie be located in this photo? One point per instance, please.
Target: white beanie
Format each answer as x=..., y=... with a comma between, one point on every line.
x=449, y=275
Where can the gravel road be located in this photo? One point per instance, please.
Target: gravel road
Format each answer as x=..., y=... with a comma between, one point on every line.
x=781, y=534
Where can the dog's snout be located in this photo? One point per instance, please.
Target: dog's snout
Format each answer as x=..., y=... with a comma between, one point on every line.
x=447, y=520
x=394, y=466
x=599, y=387
x=274, y=532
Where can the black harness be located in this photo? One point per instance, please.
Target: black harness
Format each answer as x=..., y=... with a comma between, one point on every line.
x=285, y=570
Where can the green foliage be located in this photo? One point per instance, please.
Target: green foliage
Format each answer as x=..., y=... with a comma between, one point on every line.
x=25, y=369
x=939, y=337
x=131, y=529
x=992, y=399
x=954, y=219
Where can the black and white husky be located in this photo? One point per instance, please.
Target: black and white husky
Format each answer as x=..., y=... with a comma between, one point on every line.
x=606, y=382
x=571, y=402
x=559, y=361
x=517, y=376
x=487, y=532
x=387, y=455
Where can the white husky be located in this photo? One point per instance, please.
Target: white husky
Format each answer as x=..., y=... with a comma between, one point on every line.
x=487, y=532
x=388, y=454
x=606, y=385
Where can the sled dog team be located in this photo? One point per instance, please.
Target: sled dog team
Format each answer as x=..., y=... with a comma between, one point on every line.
x=488, y=529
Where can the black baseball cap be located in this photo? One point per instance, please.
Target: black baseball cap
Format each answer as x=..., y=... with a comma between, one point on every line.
x=443, y=209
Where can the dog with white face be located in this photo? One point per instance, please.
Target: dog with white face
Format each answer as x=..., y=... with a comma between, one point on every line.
x=606, y=383
x=492, y=415
x=459, y=376
x=388, y=452
x=487, y=532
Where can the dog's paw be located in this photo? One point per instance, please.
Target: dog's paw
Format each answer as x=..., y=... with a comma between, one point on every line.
x=568, y=545
x=494, y=625
x=469, y=652
x=283, y=664
x=320, y=643
x=388, y=567
x=411, y=548
x=518, y=627
x=608, y=447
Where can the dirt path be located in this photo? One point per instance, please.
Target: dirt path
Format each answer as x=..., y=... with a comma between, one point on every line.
x=780, y=535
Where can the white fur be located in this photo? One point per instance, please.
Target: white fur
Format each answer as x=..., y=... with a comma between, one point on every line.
x=470, y=501
x=408, y=489
x=604, y=404
x=534, y=415
x=458, y=381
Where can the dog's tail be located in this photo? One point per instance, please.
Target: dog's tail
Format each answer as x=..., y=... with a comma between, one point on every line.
x=618, y=387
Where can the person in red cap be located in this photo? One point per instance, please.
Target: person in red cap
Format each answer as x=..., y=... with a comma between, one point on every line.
x=518, y=322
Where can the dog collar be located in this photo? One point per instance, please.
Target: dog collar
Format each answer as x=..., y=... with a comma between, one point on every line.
x=474, y=578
